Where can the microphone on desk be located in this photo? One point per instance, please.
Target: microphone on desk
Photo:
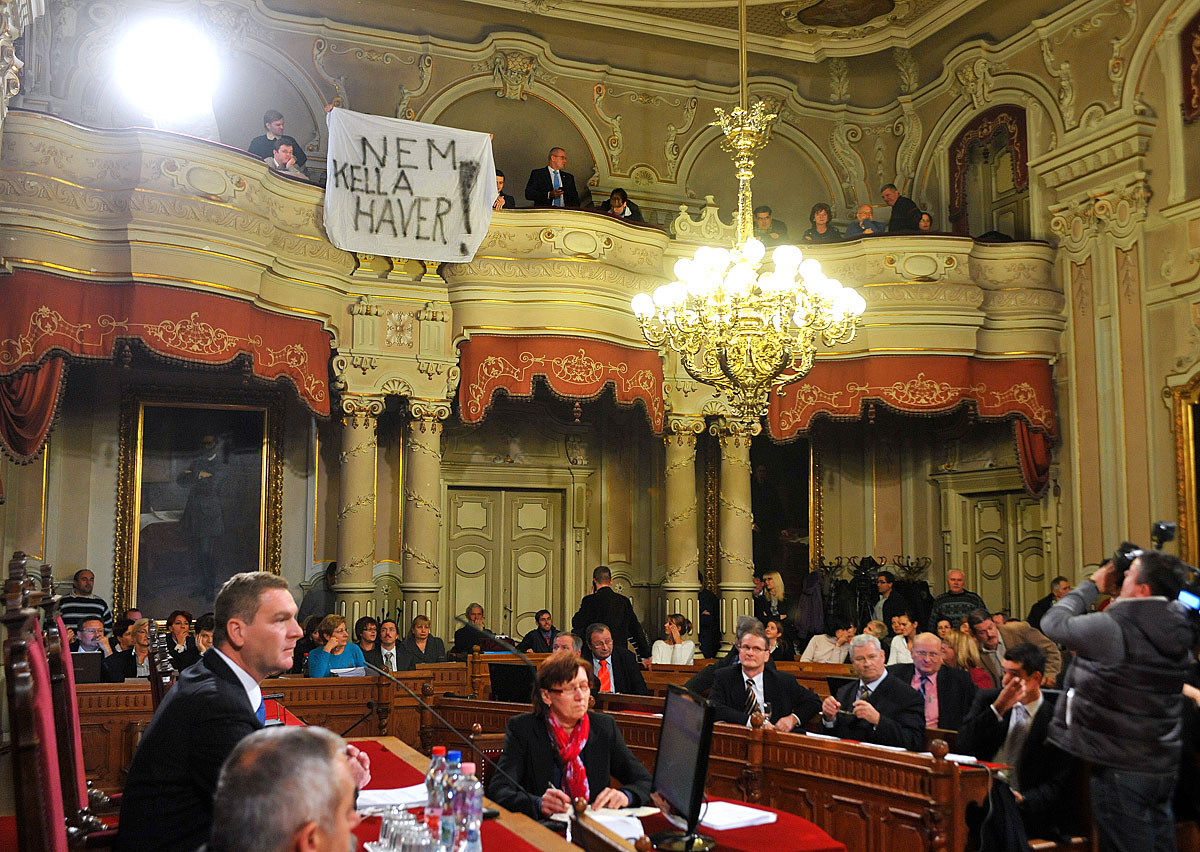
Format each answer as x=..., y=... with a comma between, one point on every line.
x=426, y=706
x=361, y=719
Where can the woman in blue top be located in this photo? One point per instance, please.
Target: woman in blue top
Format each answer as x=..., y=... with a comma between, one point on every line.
x=338, y=651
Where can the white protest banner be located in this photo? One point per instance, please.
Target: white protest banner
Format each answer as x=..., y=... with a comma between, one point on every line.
x=406, y=189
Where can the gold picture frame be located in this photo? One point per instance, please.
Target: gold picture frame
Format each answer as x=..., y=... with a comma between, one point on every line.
x=193, y=464
x=1184, y=401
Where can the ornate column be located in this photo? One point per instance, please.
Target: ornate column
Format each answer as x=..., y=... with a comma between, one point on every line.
x=736, y=543
x=422, y=537
x=355, y=584
x=681, y=588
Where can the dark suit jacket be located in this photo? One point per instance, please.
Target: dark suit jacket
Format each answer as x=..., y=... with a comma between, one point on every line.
x=1047, y=774
x=410, y=654
x=1038, y=610
x=635, y=212
x=168, y=798
x=606, y=606
x=626, y=673
x=955, y=692
x=261, y=146
x=897, y=604
x=510, y=203
x=536, y=642
x=906, y=216
x=119, y=665
x=539, y=186
x=780, y=690
x=186, y=657
x=466, y=638
x=901, y=715
x=374, y=656
x=531, y=758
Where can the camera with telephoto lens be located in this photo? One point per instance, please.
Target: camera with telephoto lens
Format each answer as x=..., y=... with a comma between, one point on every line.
x=1161, y=532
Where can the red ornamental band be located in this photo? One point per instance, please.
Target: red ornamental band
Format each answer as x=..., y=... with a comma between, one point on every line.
x=573, y=368
x=49, y=317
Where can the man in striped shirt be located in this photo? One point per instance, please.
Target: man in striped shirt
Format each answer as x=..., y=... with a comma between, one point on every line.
x=81, y=603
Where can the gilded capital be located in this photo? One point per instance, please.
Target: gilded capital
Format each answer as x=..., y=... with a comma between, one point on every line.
x=429, y=412
x=360, y=410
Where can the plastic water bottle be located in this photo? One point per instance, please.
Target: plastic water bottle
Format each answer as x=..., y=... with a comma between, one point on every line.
x=433, y=780
x=449, y=797
x=468, y=810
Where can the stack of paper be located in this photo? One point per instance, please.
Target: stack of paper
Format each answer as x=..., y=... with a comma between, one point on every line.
x=356, y=671
x=722, y=816
x=409, y=797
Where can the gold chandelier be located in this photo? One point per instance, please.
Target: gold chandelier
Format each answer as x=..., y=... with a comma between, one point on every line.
x=738, y=326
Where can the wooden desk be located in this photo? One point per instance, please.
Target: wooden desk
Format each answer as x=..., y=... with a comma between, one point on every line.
x=522, y=826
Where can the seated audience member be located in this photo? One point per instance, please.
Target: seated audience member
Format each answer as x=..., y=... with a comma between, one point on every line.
x=311, y=639
x=944, y=628
x=962, y=652
x=617, y=669
x=1059, y=587
x=133, y=614
x=567, y=642
x=386, y=653
x=366, y=633
x=864, y=224
x=82, y=602
x=502, y=202
x=134, y=662
x=925, y=223
x=877, y=708
x=947, y=692
x=337, y=652
x=822, y=230
x=561, y=752
x=1009, y=726
x=767, y=228
x=994, y=639
x=879, y=630
x=540, y=640
x=204, y=627
x=832, y=647
x=551, y=186
x=181, y=645
x=673, y=648
x=750, y=687
x=283, y=159
x=263, y=146
x=619, y=205
x=904, y=626
x=905, y=212
x=470, y=635
x=167, y=803
x=90, y=638
x=779, y=647
x=1001, y=618
x=122, y=638
x=266, y=791
x=419, y=647
x=702, y=681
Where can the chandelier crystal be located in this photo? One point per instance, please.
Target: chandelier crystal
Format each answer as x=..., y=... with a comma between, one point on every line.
x=738, y=326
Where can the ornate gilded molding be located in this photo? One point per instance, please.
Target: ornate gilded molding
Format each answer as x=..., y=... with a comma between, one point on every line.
x=360, y=410
x=908, y=70
x=429, y=413
x=1061, y=71
x=1116, y=211
x=839, y=81
x=513, y=72
x=615, y=141
x=975, y=81
x=671, y=146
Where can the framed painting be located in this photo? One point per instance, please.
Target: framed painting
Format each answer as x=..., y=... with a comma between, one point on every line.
x=198, y=495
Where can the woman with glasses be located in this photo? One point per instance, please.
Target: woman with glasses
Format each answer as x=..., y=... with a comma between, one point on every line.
x=561, y=751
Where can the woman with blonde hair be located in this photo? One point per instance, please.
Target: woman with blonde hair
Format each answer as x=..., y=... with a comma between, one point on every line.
x=338, y=652
x=775, y=603
x=419, y=646
x=673, y=648
x=966, y=656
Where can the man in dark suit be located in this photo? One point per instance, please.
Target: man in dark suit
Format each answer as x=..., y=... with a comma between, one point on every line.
x=551, y=186
x=877, y=708
x=1009, y=726
x=503, y=201
x=616, y=669
x=541, y=639
x=605, y=606
x=739, y=691
x=168, y=798
x=470, y=635
x=946, y=692
x=1059, y=587
x=891, y=603
x=906, y=216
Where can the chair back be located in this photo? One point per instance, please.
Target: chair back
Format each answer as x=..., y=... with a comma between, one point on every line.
x=41, y=826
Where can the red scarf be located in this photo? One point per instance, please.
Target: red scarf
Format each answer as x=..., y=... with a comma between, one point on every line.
x=569, y=748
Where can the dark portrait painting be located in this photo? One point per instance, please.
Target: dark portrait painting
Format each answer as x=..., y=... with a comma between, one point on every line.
x=201, y=507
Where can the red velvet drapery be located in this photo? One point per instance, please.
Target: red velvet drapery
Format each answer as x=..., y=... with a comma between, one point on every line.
x=1033, y=454
x=28, y=402
x=573, y=367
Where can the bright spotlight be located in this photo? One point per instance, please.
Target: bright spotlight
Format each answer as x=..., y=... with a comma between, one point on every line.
x=168, y=68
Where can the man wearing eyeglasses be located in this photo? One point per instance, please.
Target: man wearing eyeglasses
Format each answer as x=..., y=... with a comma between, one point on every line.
x=741, y=691
x=947, y=692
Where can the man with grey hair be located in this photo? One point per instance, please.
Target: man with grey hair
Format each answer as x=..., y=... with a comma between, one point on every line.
x=875, y=708
x=167, y=804
x=470, y=635
x=567, y=642
x=285, y=789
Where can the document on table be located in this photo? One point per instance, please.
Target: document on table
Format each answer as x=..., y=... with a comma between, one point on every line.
x=722, y=816
x=409, y=797
x=356, y=671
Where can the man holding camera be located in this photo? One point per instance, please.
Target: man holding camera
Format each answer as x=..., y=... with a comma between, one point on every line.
x=1123, y=707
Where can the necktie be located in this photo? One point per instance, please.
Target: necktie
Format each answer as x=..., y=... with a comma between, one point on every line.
x=261, y=712
x=387, y=661
x=556, y=182
x=925, y=688
x=1016, y=741
x=864, y=691
x=605, y=677
x=751, y=698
